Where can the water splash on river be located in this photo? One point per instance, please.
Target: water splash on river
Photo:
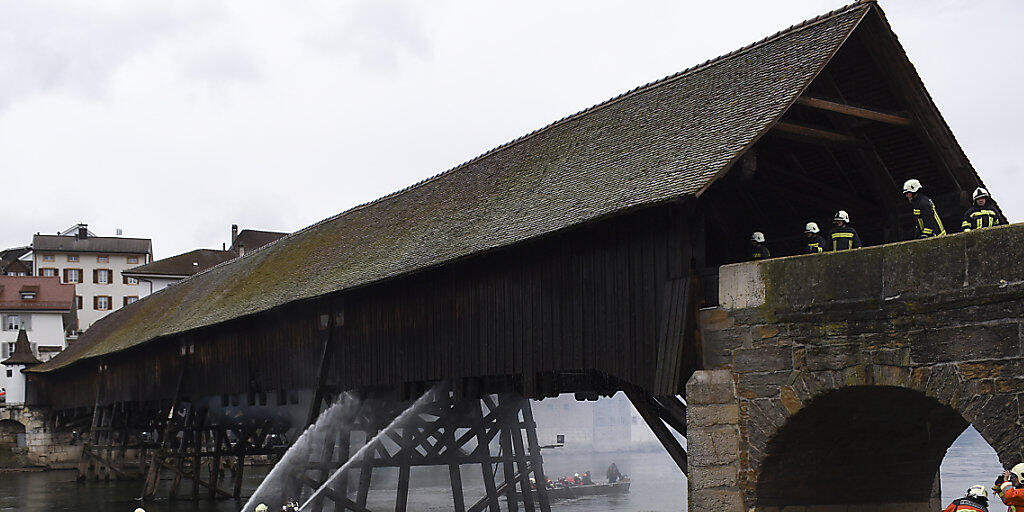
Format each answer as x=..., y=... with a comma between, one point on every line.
x=409, y=412
x=341, y=412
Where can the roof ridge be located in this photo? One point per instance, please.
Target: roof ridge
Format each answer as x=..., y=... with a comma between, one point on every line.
x=598, y=106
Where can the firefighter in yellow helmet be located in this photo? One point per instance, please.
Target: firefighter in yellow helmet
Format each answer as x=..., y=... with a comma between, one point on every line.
x=843, y=236
x=976, y=500
x=983, y=213
x=928, y=222
x=758, y=248
x=1010, y=488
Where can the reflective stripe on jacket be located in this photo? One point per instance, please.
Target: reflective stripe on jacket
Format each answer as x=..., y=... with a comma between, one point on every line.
x=928, y=221
x=978, y=217
x=759, y=251
x=816, y=244
x=965, y=505
x=1012, y=498
x=844, y=238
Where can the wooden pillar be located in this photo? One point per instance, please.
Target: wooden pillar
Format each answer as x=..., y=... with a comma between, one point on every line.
x=484, y=452
x=508, y=456
x=218, y=440
x=240, y=448
x=536, y=461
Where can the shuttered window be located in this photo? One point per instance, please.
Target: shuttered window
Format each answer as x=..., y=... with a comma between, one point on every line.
x=101, y=302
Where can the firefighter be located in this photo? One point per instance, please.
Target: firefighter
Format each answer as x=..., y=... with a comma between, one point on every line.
x=1010, y=489
x=262, y=507
x=815, y=243
x=758, y=249
x=928, y=222
x=843, y=236
x=976, y=500
x=983, y=213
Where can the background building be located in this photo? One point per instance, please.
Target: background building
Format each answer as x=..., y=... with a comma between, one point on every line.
x=35, y=312
x=607, y=424
x=160, y=274
x=94, y=265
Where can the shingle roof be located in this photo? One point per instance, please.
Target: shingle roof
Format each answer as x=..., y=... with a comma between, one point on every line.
x=662, y=141
x=59, y=243
x=51, y=295
x=22, y=351
x=185, y=264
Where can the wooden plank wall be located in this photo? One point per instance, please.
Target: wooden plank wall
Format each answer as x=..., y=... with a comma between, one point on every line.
x=604, y=298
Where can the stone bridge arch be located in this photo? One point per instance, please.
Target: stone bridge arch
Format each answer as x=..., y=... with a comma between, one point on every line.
x=813, y=362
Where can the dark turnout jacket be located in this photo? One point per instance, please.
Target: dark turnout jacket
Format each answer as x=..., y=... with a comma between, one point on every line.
x=977, y=217
x=844, y=238
x=759, y=251
x=928, y=221
x=816, y=244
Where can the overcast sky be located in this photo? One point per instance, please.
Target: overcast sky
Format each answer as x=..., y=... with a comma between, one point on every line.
x=173, y=122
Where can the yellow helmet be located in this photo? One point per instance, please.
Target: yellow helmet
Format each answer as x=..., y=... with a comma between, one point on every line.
x=978, y=491
x=262, y=507
x=1018, y=470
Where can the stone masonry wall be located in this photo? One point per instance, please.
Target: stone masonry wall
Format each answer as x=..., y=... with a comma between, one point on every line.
x=814, y=361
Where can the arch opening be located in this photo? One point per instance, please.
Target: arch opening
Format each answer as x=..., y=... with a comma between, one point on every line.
x=860, y=445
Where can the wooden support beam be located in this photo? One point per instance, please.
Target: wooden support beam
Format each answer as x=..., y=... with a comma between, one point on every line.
x=536, y=461
x=647, y=410
x=852, y=111
x=813, y=135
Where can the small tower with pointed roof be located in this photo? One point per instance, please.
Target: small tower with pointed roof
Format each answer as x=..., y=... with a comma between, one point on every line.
x=12, y=380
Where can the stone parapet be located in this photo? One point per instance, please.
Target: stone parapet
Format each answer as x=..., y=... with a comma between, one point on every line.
x=926, y=334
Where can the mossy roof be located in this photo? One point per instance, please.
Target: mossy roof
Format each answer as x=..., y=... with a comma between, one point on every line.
x=662, y=141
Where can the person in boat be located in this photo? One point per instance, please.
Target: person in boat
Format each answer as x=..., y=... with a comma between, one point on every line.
x=1010, y=489
x=577, y=479
x=586, y=478
x=291, y=506
x=613, y=474
x=262, y=507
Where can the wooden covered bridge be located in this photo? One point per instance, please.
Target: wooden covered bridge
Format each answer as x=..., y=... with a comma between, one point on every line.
x=573, y=259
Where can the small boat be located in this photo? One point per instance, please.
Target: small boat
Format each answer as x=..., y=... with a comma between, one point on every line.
x=576, y=491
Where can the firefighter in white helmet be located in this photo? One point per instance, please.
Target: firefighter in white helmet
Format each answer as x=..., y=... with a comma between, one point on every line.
x=1010, y=489
x=843, y=237
x=928, y=222
x=815, y=243
x=976, y=500
x=758, y=247
x=262, y=507
x=983, y=213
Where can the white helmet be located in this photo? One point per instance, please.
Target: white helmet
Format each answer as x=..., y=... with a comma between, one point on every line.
x=139, y=510
x=262, y=507
x=757, y=237
x=811, y=227
x=978, y=491
x=911, y=185
x=843, y=216
x=980, y=192
x=1019, y=471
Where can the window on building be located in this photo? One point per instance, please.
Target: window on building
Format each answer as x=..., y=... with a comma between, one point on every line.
x=134, y=260
x=28, y=295
x=131, y=299
x=48, y=272
x=48, y=257
x=101, y=276
x=72, y=257
x=130, y=280
x=101, y=302
x=9, y=374
x=103, y=259
x=72, y=275
x=78, y=301
x=17, y=322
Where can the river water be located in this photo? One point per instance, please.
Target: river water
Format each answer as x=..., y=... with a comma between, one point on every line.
x=657, y=485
